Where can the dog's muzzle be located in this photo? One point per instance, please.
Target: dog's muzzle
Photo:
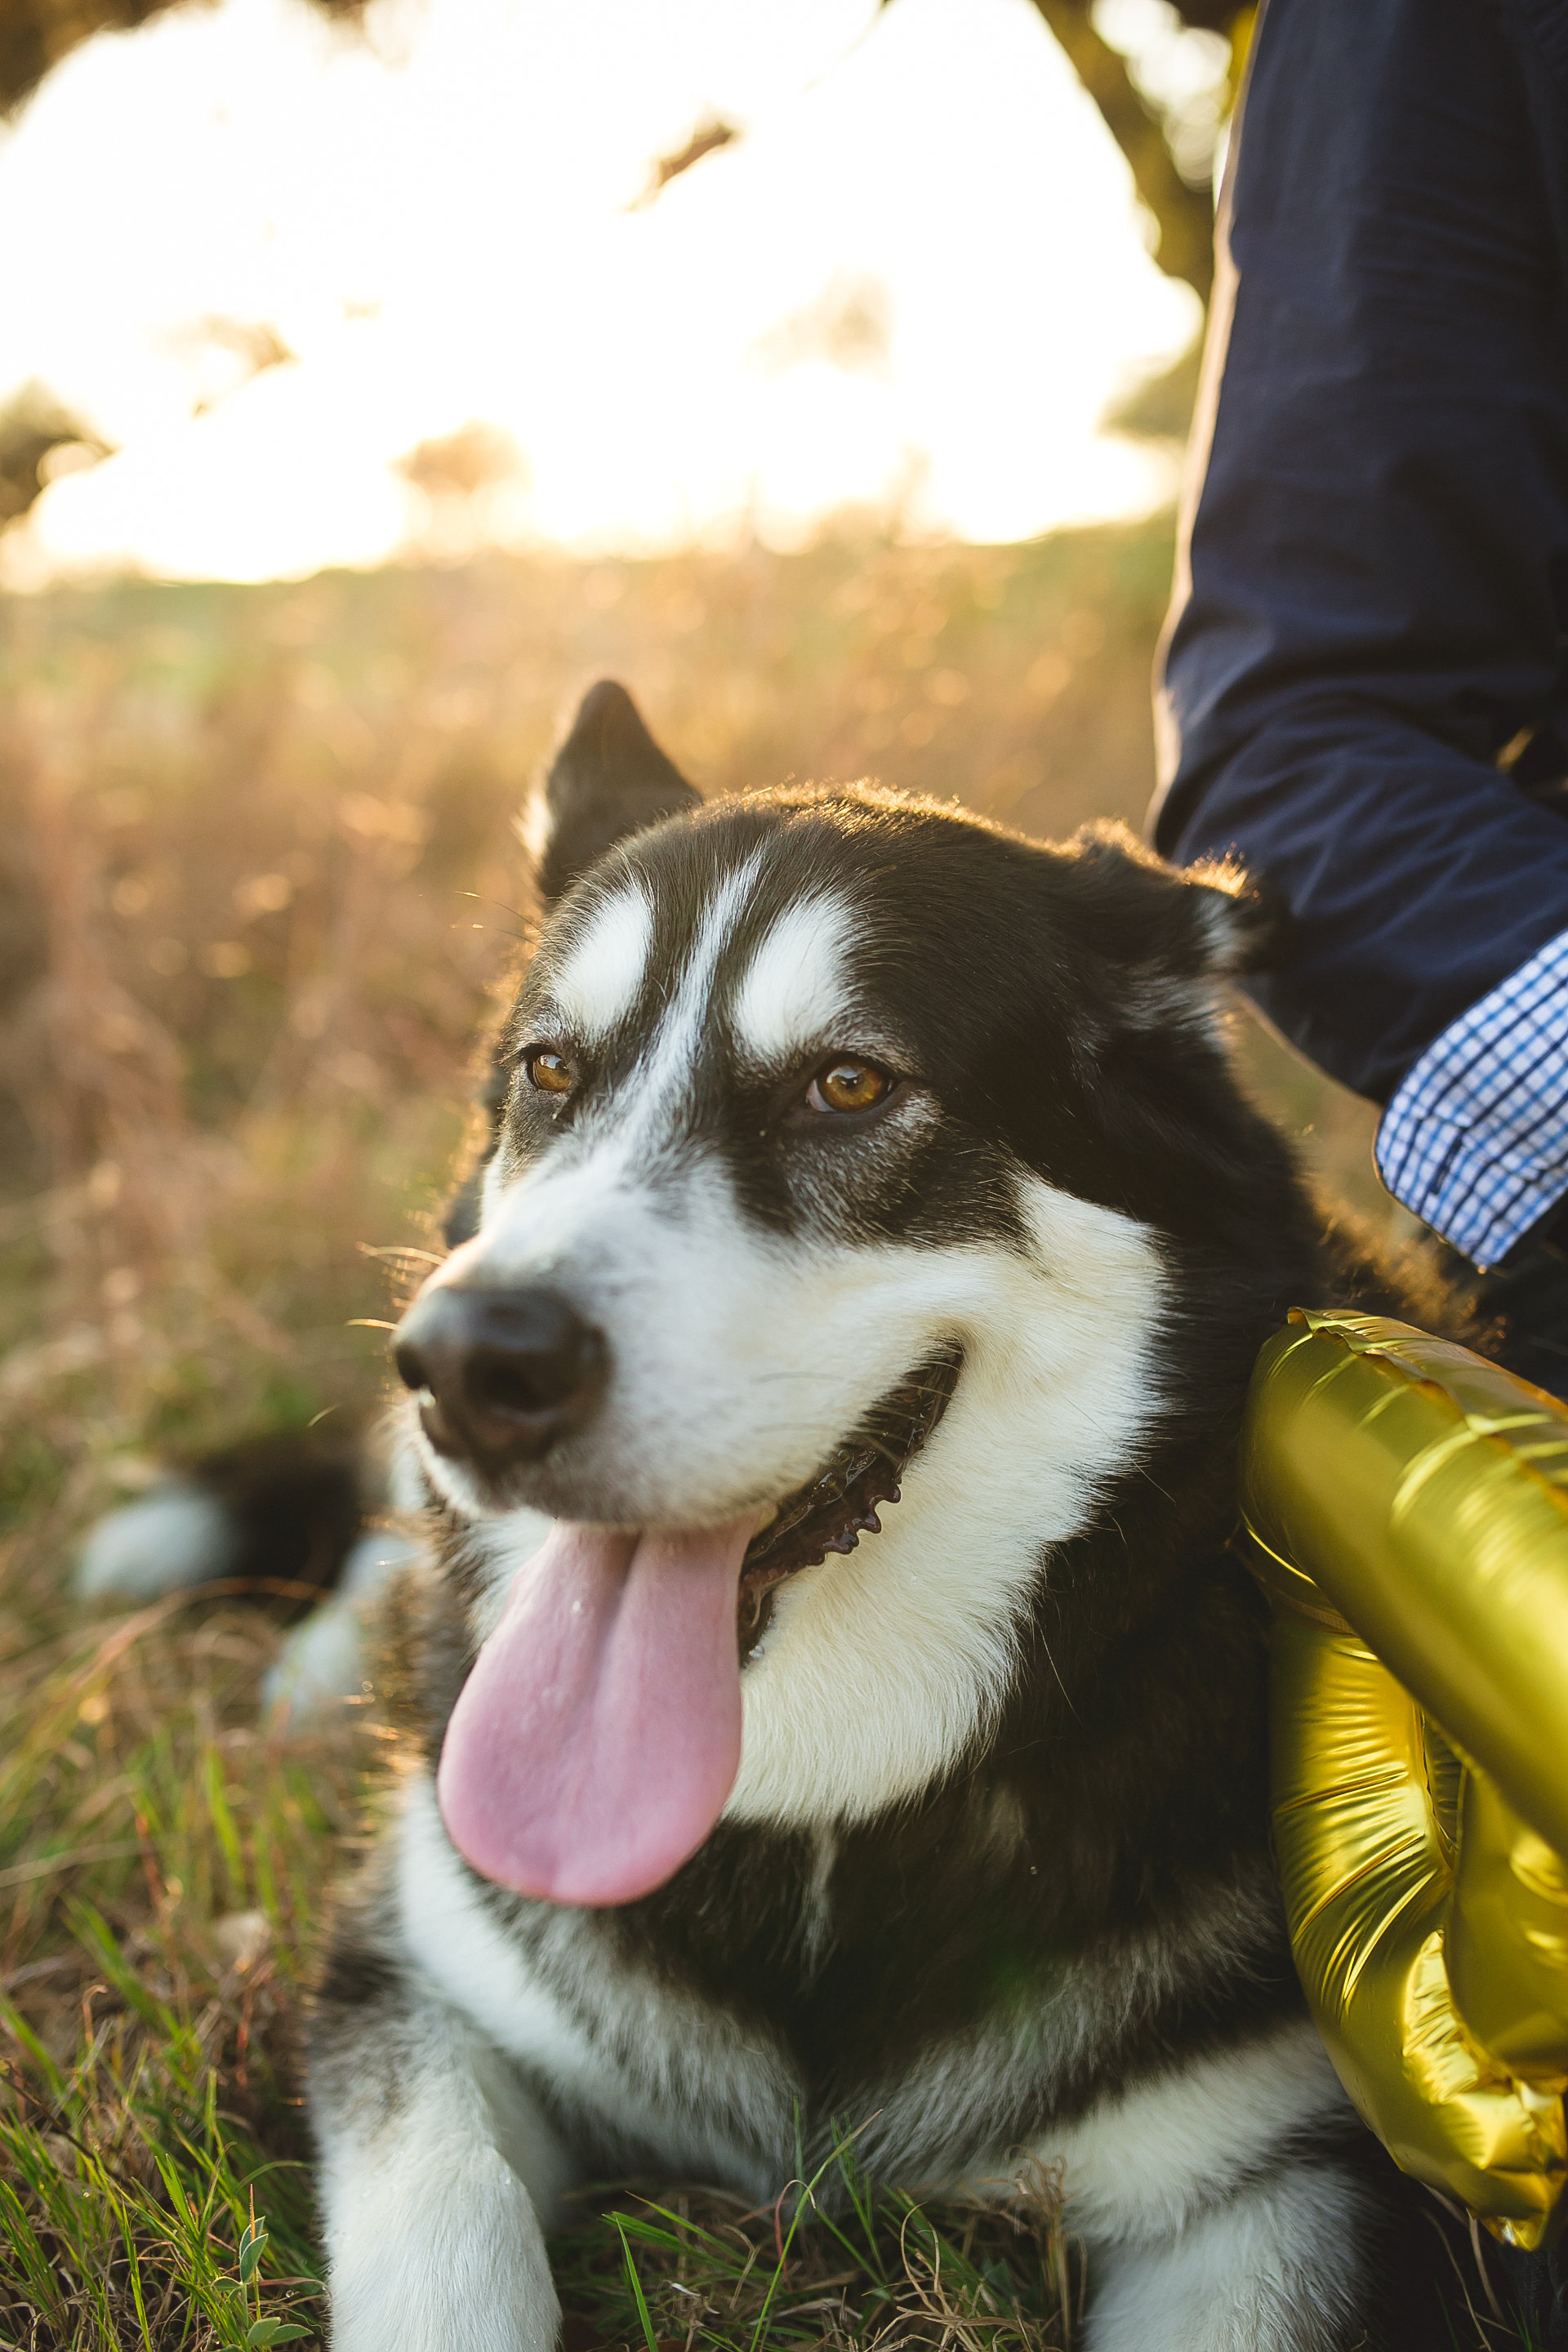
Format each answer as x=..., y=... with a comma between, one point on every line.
x=501, y=1375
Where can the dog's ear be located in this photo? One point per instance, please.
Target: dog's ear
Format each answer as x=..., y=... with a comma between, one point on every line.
x=608, y=779
x=1192, y=925
x=1239, y=923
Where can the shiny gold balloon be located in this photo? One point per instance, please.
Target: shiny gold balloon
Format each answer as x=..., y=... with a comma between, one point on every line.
x=1407, y=1505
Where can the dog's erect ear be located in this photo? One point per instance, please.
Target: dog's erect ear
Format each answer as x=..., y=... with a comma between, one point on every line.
x=608, y=779
x=1167, y=925
x=1239, y=924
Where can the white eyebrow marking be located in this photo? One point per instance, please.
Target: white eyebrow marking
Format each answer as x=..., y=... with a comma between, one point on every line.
x=622, y=1137
x=598, y=984
x=679, y=1033
x=797, y=987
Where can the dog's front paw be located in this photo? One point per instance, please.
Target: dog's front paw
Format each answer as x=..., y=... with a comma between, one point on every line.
x=451, y=2262
x=1274, y=2269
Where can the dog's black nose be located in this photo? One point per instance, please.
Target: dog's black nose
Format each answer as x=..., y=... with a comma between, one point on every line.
x=501, y=1374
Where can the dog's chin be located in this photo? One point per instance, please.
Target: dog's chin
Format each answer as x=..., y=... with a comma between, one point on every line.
x=829, y=1512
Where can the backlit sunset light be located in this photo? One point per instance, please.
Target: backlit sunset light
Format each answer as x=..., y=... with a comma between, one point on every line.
x=305, y=252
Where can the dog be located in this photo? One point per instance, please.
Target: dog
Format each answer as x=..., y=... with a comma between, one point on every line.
x=839, y=1702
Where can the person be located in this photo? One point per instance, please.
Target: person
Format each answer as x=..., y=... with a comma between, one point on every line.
x=1364, y=691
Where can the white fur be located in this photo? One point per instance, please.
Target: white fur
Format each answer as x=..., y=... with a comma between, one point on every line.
x=500, y=1547
x=600, y=978
x=624, y=1139
x=166, y=1541
x=880, y=1667
x=816, y=1916
x=1137, y=2169
x=379, y=1555
x=435, y=2201
x=676, y=1041
x=667, y=2071
x=797, y=992
x=954, y=2101
x=1272, y=2271
x=1191, y=2249
x=321, y=1662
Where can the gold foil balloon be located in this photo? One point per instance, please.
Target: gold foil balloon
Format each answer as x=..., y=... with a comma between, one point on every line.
x=1407, y=1505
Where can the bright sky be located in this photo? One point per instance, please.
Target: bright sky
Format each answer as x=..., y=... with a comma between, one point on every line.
x=437, y=223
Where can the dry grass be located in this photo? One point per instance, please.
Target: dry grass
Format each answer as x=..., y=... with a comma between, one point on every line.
x=257, y=884
x=833, y=2262
x=163, y=1869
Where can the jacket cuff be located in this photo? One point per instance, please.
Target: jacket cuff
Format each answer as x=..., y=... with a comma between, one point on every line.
x=1474, y=1141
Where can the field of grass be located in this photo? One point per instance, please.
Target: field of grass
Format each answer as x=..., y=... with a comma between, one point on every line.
x=258, y=887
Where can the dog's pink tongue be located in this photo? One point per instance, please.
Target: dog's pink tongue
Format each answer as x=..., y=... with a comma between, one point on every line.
x=593, y=1747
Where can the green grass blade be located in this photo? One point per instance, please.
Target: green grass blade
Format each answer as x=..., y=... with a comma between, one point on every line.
x=636, y=2284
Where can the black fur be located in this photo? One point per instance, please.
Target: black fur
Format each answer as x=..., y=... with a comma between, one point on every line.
x=608, y=779
x=295, y=1500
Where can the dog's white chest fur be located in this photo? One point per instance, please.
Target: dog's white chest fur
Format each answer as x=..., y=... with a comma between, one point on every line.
x=653, y=2070
x=1173, y=2183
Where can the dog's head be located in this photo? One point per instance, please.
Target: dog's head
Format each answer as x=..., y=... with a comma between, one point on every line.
x=853, y=1158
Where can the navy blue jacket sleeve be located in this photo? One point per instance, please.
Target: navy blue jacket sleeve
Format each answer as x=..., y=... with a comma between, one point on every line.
x=1372, y=592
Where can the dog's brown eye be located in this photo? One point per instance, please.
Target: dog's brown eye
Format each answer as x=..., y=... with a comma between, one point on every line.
x=848, y=1086
x=552, y=1073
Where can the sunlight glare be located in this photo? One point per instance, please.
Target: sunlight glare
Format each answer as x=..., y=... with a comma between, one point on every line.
x=437, y=223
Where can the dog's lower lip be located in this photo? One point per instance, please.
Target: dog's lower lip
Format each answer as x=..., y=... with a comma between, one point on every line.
x=834, y=1509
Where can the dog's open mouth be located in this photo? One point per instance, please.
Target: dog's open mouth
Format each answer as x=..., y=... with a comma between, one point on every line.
x=834, y=1509
x=598, y=1737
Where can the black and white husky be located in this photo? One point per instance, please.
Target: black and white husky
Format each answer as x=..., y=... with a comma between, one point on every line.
x=844, y=1704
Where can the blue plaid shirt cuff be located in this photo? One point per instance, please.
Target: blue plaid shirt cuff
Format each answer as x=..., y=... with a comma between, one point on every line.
x=1476, y=1139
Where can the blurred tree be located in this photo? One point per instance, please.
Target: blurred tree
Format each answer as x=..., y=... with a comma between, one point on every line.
x=1185, y=213
x=848, y=326
x=39, y=440
x=36, y=34
x=1159, y=407
x=223, y=355
x=470, y=484
x=459, y=465
x=708, y=138
x=1180, y=201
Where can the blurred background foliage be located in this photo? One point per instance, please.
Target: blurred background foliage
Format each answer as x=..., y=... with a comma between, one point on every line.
x=1165, y=78
x=259, y=884
x=36, y=34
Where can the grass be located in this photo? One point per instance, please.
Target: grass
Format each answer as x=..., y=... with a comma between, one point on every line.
x=258, y=885
x=154, y=2182
x=163, y=1869
x=833, y=2260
